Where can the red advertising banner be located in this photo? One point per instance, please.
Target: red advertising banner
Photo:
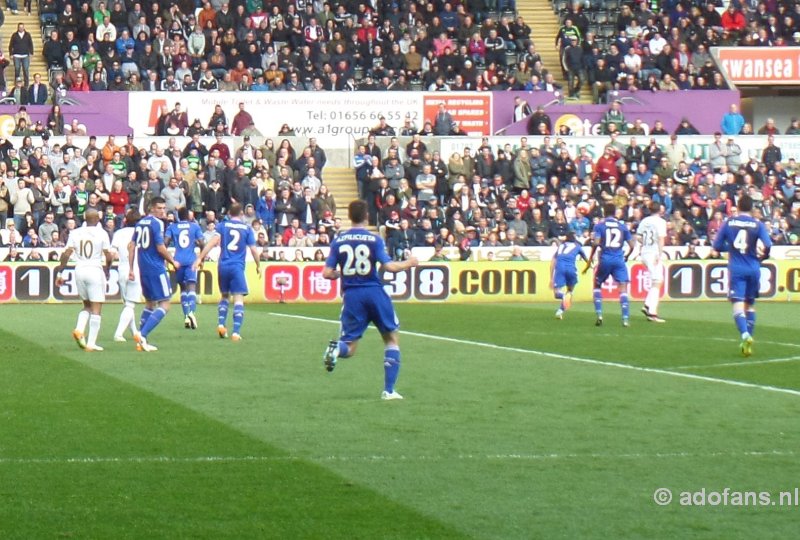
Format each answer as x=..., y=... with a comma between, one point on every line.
x=471, y=110
x=761, y=65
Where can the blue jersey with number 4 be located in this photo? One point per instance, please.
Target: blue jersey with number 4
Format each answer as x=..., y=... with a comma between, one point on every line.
x=184, y=236
x=612, y=236
x=357, y=253
x=739, y=236
x=235, y=237
x=148, y=235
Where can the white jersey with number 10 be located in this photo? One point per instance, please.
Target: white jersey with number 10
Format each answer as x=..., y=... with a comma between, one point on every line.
x=650, y=230
x=89, y=245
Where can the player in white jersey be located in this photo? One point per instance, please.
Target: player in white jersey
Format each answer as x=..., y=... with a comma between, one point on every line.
x=130, y=289
x=653, y=232
x=92, y=262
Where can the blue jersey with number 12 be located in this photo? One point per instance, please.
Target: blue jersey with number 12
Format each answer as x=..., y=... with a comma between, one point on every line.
x=612, y=235
x=357, y=253
x=235, y=237
x=184, y=236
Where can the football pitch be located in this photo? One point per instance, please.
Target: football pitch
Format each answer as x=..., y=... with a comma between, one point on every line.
x=515, y=425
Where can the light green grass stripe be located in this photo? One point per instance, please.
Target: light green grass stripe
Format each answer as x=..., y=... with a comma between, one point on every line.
x=578, y=359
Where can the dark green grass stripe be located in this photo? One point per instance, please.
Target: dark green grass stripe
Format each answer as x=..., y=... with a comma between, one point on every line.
x=54, y=409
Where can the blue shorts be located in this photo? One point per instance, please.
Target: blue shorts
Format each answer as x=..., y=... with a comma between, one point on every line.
x=364, y=305
x=565, y=277
x=743, y=286
x=231, y=280
x=156, y=287
x=185, y=274
x=615, y=268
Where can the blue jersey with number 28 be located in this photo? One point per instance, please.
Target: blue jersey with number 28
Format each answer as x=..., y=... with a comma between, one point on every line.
x=357, y=254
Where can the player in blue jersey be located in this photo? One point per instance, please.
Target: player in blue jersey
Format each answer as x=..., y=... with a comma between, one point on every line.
x=354, y=257
x=563, y=271
x=740, y=237
x=185, y=235
x=610, y=236
x=148, y=250
x=234, y=237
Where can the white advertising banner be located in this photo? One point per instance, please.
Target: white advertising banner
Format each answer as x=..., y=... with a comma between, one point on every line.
x=696, y=145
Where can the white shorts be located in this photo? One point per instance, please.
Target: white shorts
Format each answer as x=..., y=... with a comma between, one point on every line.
x=654, y=266
x=130, y=291
x=91, y=284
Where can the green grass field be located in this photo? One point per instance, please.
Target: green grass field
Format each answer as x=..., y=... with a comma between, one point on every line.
x=514, y=425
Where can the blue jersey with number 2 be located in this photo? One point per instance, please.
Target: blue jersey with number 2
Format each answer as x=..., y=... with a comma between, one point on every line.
x=235, y=237
x=357, y=254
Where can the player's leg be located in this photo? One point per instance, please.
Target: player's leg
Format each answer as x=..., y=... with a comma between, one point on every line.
x=353, y=324
x=559, y=283
x=391, y=365
x=597, y=294
x=620, y=275
x=653, y=297
x=161, y=291
x=385, y=319
x=96, y=288
x=94, y=327
x=80, y=326
x=224, y=282
x=131, y=293
x=191, y=297
x=238, y=291
x=238, y=316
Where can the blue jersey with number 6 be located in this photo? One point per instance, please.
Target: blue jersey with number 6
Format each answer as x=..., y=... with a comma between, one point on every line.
x=357, y=254
x=184, y=236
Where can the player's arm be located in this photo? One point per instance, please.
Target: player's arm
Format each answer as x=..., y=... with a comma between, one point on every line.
x=214, y=242
x=109, y=254
x=167, y=256
x=766, y=242
x=595, y=246
x=720, y=245
x=62, y=263
x=631, y=247
x=400, y=266
x=256, y=257
x=132, y=259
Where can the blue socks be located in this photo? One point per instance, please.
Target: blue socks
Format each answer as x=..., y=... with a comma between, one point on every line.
x=191, y=298
x=750, y=316
x=145, y=316
x=625, y=305
x=597, y=296
x=391, y=367
x=344, y=350
x=185, y=303
x=238, y=317
x=222, y=312
x=152, y=321
x=741, y=321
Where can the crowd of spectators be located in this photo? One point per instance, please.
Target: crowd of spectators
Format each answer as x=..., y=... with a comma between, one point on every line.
x=386, y=45
x=45, y=190
x=637, y=47
x=535, y=195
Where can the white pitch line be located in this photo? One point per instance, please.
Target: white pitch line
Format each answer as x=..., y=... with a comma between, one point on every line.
x=781, y=343
x=578, y=359
x=744, y=363
x=100, y=460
